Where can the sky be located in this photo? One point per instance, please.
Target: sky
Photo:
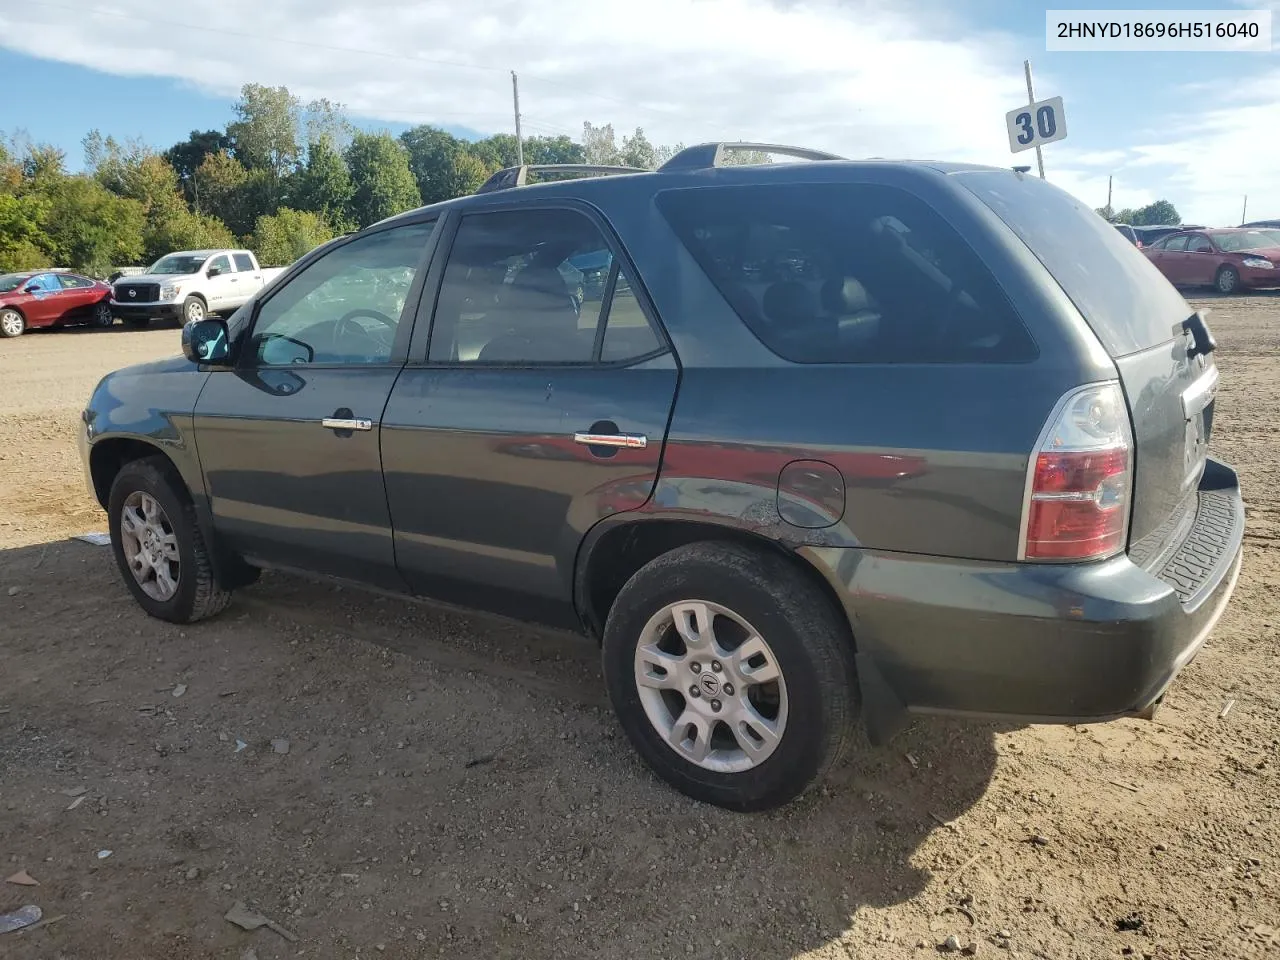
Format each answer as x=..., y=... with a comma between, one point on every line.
x=926, y=79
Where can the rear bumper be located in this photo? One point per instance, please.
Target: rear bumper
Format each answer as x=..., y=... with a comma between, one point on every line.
x=146, y=311
x=1039, y=642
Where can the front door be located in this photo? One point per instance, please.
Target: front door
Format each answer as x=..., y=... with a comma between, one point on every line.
x=220, y=284
x=541, y=408
x=46, y=303
x=289, y=438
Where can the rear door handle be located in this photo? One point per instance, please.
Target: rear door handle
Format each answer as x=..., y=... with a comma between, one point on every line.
x=346, y=423
x=631, y=441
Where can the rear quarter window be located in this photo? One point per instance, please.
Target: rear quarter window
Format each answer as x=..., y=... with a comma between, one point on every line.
x=847, y=273
x=1126, y=301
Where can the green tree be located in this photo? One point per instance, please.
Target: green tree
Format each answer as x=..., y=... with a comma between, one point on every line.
x=384, y=184
x=432, y=153
x=221, y=184
x=265, y=131
x=90, y=229
x=637, y=151
x=466, y=174
x=599, y=146
x=323, y=186
x=186, y=157
x=185, y=231
x=1160, y=213
x=287, y=235
x=22, y=232
x=324, y=120
x=497, y=151
x=559, y=149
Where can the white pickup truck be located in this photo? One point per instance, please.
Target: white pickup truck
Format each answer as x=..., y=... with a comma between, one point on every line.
x=189, y=285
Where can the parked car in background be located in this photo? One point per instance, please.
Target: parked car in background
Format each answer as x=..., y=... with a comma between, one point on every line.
x=1225, y=258
x=1263, y=223
x=29, y=301
x=189, y=285
x=1128, y=233
x=876, y=437
x=1149, y=235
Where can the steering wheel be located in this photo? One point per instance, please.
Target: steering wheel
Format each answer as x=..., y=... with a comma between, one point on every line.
x=344, y=325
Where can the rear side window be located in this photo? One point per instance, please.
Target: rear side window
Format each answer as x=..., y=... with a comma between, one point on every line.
x=848, y=273
x=533, y=287
x=70, y=282
x=243, y=262
x=1126, y=301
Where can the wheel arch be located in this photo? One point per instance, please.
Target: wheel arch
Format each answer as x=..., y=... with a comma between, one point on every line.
x=612, y=552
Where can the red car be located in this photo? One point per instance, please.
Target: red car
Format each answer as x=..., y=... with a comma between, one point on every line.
x=34, y=300
x=1228, y=259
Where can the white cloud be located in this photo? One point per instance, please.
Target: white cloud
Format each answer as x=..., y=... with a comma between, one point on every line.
x=858, y=78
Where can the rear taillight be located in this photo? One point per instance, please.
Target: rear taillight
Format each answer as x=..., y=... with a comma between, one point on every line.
x=1080, y=479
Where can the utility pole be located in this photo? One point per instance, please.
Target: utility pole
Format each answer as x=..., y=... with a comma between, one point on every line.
x=1244, y=214
x=1109, y=210
x=515, y=95
x=1031, y=99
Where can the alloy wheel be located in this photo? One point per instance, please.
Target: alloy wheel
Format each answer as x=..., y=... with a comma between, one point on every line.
x=711, y=686
x=150, y=546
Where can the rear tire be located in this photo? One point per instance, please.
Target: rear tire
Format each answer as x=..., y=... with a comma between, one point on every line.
x=1227, y=280
x=161, y=531
x=747, y=742
x=12, y=323
x=102, y=316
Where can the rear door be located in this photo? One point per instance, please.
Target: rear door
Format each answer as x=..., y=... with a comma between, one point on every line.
x=540, y=407
x=80, y=296
x=1201, y=260
x=246, y=281
x=1175, y=264
x=1147, y=328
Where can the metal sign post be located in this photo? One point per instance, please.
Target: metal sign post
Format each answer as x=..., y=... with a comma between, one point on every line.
x=1031, y=101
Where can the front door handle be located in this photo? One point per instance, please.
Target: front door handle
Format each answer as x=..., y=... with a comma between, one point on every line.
x=346, y=423
x=630, y=441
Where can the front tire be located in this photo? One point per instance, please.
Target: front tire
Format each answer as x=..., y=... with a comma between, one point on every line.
x=12, y=323
x=193, y=308
x=158, y=546
x=731, y=673
x=1227, y=281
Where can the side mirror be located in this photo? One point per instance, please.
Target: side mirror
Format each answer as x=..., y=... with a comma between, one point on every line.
x=31, y=288
x=213, y=272
x=206, y=341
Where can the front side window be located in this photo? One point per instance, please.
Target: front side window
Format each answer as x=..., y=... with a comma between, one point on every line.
x=219, y=265
x=1199, y=244
x=345, y=307
x=536, y=287
x=847, y=273
x=1177, y=244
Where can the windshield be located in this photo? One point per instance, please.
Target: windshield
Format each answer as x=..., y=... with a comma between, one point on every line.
x=11, y=281
x=1244, y=240
x=177, y=263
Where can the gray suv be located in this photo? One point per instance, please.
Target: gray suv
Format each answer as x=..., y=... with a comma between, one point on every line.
x=822, y=440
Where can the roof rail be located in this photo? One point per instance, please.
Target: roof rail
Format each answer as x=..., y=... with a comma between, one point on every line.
x=510, y=177
x=704, y=156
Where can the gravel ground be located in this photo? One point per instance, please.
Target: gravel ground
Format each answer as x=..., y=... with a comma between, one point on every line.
x=456, y=787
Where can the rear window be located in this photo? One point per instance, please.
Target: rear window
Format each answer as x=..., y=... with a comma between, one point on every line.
x=847, y=273
x=243, y=262
x=1125, y=299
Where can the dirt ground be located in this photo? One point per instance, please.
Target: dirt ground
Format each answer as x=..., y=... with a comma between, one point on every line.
x=455, y=787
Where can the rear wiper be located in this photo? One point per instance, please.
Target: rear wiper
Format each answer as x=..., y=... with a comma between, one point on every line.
x=1202, y=341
